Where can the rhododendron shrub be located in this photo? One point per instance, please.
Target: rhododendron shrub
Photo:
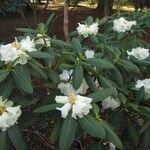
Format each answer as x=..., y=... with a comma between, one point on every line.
x=97, y=84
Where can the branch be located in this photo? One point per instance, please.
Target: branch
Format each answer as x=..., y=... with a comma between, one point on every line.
x=66, y=20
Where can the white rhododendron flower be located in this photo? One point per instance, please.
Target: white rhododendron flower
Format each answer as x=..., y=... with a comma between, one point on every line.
x=8, y=53
x=16, y=51
x=42, y=42
x=139, y=53
x=8, y=114
x=122, y=25
x=67, y=88
x=86, y=30
x=145, y=83
x=83, y=30
x=27, y=44
x=79, y=105
x=89, y=53
x=93, y=29
x=65, y=75
x=112, y=146
x=110, y=103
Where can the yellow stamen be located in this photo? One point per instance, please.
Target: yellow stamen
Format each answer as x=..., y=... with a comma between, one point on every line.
x=2, y=109
x=16, y=44
x=72, y=99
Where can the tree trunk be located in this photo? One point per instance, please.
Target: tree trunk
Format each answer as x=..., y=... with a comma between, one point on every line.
x=105, y=6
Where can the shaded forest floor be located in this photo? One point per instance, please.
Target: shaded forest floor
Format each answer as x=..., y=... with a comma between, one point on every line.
x=9, y=23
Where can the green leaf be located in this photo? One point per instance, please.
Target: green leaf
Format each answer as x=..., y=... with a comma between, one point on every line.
x=8, y=88
x=105, y=82
x=47, y=108
x=3, y=74
x=146, y=141
x=26, y=30
x=102, y=21
x=100, y=63
x=89, y=20
x=67, y=133
x=101, y=95
x=17, y=138
x=95, y=146
x=117, y=77
x=140, y=94
x=49, y=21
x=76, y=45
x=4, y=141
x=77, y=76
x=53, y=76
x=55, y=132
x=38, y=70
x=132, y=134
x=129, y=66
x=22, y=78
x=92, y=126
x=111, y=135
x=39, y=54
x=60, y=43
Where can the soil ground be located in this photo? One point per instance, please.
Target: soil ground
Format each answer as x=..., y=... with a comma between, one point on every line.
x=9, y=23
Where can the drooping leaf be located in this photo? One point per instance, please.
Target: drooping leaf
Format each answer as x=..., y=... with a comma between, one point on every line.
x=17, y=138
x=3, y=74
x=92, y=126
x=22, y=78
x=77, y=76
x=67, y=133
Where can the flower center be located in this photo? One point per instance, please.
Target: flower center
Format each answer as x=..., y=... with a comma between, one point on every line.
x=72, y=99
x=16, y=44
x=2, y=109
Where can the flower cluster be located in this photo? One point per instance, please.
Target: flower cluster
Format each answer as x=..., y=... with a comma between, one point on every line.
x=122, y=25
x=8, y=114
x=86, y=30
x=16, y=51
x=110, y=103
x=139, y=53
x=143, y=83
x=80, y=105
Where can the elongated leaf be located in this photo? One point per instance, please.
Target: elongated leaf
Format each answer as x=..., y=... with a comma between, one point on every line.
x=47, y=108
x=54, y=136
x=105, y=82
x=67, y=133
x=26, y=30
x=111, y=135
x=92, y=126
x=40, y=55
x=4, y=141
x=101, y=95
x=129, y=66
x=77, y=76
x=22, y=78
x=53, y=76
x=100, y=63
x=49, y=21
x=38, y=70
x=3, y=74
x=17, y=138
x=76, y=45
x=60, y=43
x=132, y=134
x=140, y=94
x=8, y=88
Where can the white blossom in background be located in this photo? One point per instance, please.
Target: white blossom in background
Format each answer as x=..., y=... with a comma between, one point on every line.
x=139, y=53
x=93, y=29
x=65, y=75
x=110, y=103
x=112, y=146
x=86, y=30
x=79, y=105
x=123, y=25
x=8, y=114
x=67, y=88
x=27, y=44
x=145, y=83
x=41, y=41
x=89, y=53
